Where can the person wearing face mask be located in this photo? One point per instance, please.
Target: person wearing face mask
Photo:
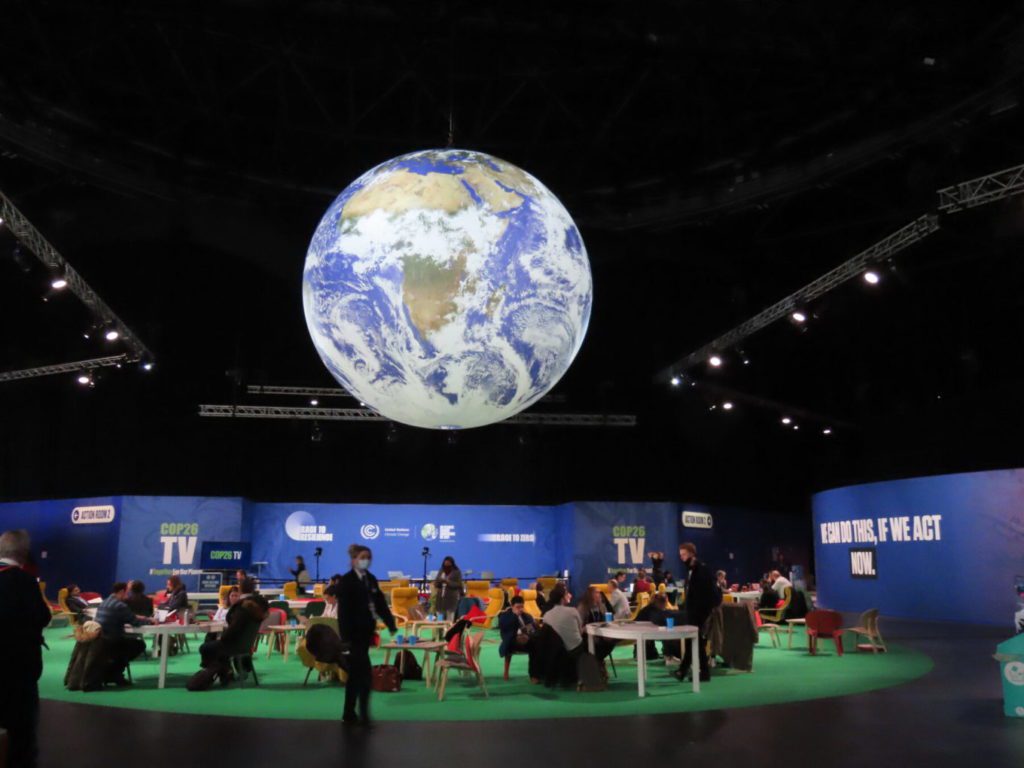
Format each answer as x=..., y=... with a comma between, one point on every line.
x=360, y=605
x=702, y=597
x=448, y=588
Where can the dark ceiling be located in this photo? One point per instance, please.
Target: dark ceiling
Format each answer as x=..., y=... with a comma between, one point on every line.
x=717, y=156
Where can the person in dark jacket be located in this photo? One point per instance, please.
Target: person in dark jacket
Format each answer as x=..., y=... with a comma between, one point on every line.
x=177, y=596
x=513, y=623
x=75, y=603
x=701, y=599
x=137, y=599
x=244, y=617
x=360, y=605
x=23, y=616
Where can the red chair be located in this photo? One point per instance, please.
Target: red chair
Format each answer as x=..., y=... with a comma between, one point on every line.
x=824, y=624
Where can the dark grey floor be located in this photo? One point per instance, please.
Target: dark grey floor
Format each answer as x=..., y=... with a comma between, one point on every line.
x=951, y=717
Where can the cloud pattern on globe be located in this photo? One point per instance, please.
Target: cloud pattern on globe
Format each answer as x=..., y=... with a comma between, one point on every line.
x=447, y=289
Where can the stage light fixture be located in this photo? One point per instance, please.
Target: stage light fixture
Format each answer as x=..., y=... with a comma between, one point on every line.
x=314, y=401
x=676, y=381
x=147, y=366
x=826, y=431
x=112, y=335
x=716, y=361
x=796, y=426
x=786, y=420
x=59, y=284
x=727, y=406
x=798, y=316
x=871, y=278
x=85, y=379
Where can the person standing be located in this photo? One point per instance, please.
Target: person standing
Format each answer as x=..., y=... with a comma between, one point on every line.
x=361, y=605
x=23, y=615
x=448, y=588
x=301, y=574
x=701, y=598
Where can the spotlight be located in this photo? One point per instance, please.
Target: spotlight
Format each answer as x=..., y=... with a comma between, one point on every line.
x=727, y=406
x=786, y=420
x=871, y=278
x=59, y=284
x=676, y=381
x=796, y=426
x=716, y=361
x=85, y=379
x=799, y=317
x=827, y=431
x=746, y=361
x=314, y=401
x=111, y=335
x=147, y=366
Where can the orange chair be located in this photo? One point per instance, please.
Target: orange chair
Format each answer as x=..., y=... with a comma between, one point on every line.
x=824, y=624
x=470, y=662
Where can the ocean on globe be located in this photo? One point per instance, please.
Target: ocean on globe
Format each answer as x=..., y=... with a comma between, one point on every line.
x=447, y=289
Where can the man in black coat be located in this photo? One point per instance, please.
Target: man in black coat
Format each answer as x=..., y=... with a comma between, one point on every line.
x=702, y=596
x=23, y=615
x=360, y=605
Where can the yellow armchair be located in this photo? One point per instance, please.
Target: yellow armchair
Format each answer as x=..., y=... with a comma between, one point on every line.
x=223, y=592
x=402, y=599
x=291, y=590
x=530, y=602
x=776, y=615
x=478, y=589
x=547, y=583
x=494, y=606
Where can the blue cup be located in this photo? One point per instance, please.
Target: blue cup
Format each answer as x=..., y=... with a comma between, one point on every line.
x=413, y=639
x=670, y=622
x=609, y=618
x=399, y=639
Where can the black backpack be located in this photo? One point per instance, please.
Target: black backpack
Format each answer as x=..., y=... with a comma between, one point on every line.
x=411, y=669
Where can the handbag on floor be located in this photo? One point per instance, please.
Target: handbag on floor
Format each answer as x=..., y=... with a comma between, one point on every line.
x=385, y=678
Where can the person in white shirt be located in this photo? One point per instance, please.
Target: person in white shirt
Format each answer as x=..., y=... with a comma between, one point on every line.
x=331, y=600
x=619, y=601
x=565, y=620
x=779, y=584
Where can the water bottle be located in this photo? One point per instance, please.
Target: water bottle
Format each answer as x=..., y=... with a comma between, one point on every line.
x=609, y=618
x=670, y=622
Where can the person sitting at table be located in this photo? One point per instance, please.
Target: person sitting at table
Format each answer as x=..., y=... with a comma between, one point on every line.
x=516, y=627
x=232, y=600
x=656, y=612
x=248, y=609
x=592, y=608
x=75, y=603
x=619, y=601
x=177, y=597
x=721, y=582
x=642, y=584
x=448, y=588
x=779, y=584
x=140, y=603
x=240, y=576
x=301, y=574
x=769, y=599
x=565, y=620
x=330, y=602
x=541, y=600
x=112, y=616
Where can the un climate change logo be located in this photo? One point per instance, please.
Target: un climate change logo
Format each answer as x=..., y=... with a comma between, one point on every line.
x=370, y=531
x=429, y=532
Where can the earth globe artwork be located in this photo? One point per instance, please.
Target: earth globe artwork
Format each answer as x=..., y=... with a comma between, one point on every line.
x=447, y=289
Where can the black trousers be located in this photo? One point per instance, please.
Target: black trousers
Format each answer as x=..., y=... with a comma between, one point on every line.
x=122, y=651
x=702, y=649
x=357, y=688
x=19, y=716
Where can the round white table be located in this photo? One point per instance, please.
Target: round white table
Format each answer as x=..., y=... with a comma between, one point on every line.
x=641, y=632
x=168, y=630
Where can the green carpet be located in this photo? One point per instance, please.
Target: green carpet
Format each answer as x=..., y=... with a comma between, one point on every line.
x=779, y=675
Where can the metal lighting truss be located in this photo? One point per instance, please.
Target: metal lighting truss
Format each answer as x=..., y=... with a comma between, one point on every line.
x=31, y=238
x=261, y=389
x=50, y=370
x=362, y=414
x=897, y=241
x=984, y=189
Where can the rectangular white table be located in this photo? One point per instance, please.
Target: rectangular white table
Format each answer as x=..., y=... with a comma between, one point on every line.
x=168, y=630
x=641, y=632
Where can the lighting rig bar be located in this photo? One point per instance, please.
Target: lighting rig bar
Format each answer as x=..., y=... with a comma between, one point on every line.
x=916, y=230
x=51, y=370
x=984, y=189
x=34, y=241
x=260, y=389
x=362, y=414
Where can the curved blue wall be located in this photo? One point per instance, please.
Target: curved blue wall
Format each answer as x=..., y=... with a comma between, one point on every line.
x=944, y=548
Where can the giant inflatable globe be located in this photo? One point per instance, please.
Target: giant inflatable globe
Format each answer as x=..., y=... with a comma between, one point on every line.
x=447, y=289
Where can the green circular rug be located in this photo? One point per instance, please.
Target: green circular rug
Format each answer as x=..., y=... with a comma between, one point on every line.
x=780, y=675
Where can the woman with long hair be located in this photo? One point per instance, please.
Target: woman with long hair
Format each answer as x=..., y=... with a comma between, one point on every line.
x=448, y=588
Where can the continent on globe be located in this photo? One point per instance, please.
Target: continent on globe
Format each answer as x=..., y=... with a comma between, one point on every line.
x=447, y=289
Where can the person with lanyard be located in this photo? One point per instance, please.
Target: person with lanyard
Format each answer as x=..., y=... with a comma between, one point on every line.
x=23, y=615
x=361, y=605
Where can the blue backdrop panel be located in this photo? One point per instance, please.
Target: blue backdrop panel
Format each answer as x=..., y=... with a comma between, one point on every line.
x=65, y=551
x=163, y=535
x=609, y=536
x=965, y=543
x=508, y=540
x=746, y=543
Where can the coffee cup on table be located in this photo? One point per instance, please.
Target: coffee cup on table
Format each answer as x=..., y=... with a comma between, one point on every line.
x=609, y=618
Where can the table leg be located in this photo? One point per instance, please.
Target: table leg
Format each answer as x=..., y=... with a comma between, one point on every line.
x=164, y=645
x=287, y=642
x=590, y=642
x=641, y=663
x=387, y=656
x=695, y=662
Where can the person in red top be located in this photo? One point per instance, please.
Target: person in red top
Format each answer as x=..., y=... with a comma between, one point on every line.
x=642, y=583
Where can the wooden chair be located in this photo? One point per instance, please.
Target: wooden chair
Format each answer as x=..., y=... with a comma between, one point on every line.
x=824, y=624
x=776, y=615
x=470, y=662
x=867, y=626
